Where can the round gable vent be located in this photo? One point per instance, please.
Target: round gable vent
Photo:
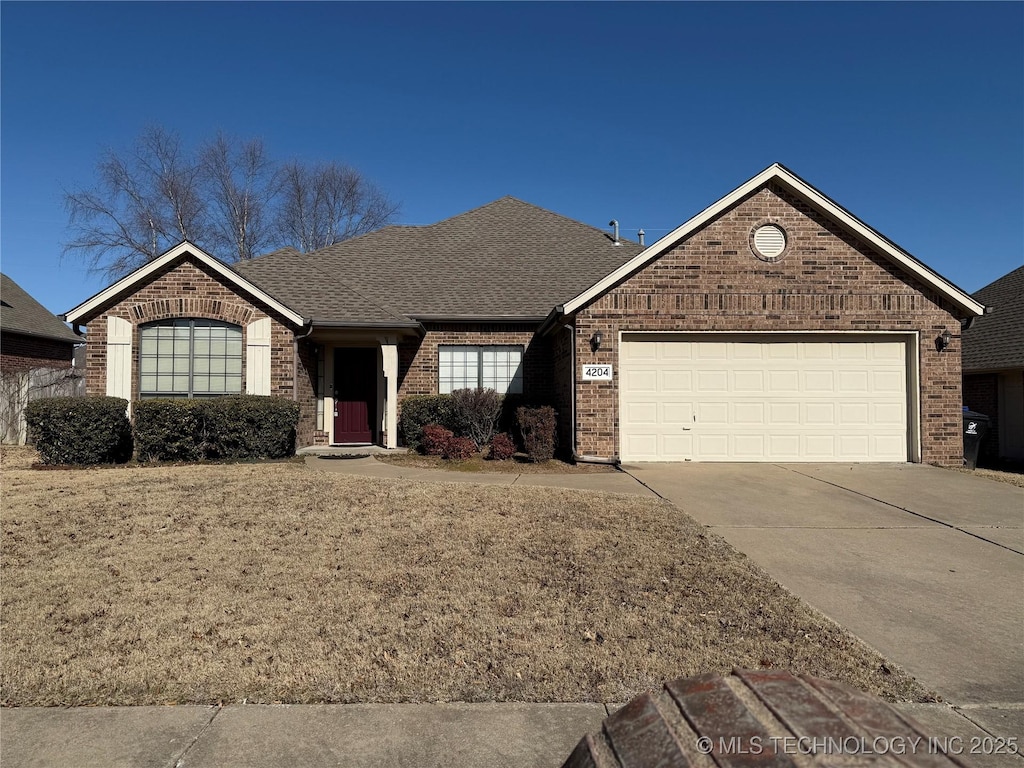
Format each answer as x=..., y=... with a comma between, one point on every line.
x=769, y=241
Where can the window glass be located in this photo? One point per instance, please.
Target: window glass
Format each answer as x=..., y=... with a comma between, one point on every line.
x=190, y=358
x=468, y=367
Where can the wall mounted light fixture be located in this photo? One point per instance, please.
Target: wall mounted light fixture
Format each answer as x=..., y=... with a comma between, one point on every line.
x=595, y=341
x=944, y=340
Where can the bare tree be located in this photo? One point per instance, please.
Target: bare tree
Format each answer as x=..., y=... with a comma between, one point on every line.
x=242, y=185
x=327, y=203
x=228, y=197
x=145, y=202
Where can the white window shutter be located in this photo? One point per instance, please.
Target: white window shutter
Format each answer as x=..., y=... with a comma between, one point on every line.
x=119, y=358
x=257, y=357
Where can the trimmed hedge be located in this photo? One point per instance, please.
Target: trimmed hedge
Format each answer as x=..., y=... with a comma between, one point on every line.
x=250, y=427
x=537, y=427
x=230, y=427
x=420, y=410
x=169, y=429
x=80, y=430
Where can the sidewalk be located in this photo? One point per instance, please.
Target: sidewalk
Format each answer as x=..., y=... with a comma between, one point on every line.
x=364, y=735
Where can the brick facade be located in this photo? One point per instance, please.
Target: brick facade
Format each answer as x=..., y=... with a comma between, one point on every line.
x=825, y=281
x=418, y=359
x=187, y=289
x=19, y=352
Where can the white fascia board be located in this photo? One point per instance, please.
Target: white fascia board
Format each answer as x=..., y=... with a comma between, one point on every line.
x=778, y=173
x=125, y=283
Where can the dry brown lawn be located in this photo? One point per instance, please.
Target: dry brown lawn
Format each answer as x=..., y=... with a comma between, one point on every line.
x=1000, y=476
x=276, y=583
x=519, y=465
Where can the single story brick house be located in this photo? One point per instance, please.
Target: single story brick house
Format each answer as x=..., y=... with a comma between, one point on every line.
x=993, y=363
x=771, y=326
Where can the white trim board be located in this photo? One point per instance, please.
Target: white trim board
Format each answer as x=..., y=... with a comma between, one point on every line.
x=184, y=248
x=786, y=178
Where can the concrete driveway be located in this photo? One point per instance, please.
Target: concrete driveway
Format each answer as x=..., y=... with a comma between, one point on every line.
x=924, y=564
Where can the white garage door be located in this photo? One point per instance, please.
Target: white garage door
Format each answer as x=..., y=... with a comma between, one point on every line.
x=763, y=398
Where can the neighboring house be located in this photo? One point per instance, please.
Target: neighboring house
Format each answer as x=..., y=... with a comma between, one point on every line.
x=772, y=326
x=993, y=362
x=36, y=355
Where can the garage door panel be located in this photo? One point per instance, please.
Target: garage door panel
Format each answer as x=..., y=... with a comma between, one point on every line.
x=748, y=381
x=823, y=446
x=748, y=413
x=677, y=381
x=820, y=414
x=783, y=413
x=819, y=381
x=710, y=380
x=641, y=413
x=764, y=400
x=677, y=414
x=888, y=381
x=712, y=413
x=853, y=381
x=784, y=382
x=642, y=381
x=748, y=446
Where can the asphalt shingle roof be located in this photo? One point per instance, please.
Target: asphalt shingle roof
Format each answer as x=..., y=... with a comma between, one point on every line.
x=505, y=259
x=996, y=341
x=20, y=313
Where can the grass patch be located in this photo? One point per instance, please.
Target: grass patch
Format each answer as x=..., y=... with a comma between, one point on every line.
x=1000, y=476
x=519, y=465
x=272, y=583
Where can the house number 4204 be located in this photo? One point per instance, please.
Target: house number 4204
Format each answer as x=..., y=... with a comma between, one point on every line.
x=597, y=373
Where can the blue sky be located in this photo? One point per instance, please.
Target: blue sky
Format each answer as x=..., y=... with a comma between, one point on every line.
x=909, y=115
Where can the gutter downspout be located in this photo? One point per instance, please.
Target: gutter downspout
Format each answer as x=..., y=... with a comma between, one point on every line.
x=572, y=395
x=295, y=361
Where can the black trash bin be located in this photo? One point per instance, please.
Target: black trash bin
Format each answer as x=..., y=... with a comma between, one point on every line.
x=976, y=426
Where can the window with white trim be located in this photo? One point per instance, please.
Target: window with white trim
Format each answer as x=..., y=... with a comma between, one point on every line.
x=190, y=358
x=471, y=367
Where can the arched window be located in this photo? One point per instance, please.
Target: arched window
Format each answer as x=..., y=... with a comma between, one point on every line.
x=190, y=358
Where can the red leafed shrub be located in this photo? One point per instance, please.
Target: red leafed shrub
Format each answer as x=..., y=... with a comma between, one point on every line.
x=459, y=449
x=435, y=438
x=537, y=426
x=503, y=447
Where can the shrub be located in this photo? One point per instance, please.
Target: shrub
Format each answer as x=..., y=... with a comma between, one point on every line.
x=435, y=438
x=459, y=449
x=503, y=447
x=537, y=427
x=169, y=429
x=420, y=410
x=476, y=413
x=230, y=427
x=80, y=430
x=249, y=427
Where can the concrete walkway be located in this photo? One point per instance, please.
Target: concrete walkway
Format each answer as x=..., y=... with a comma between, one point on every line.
x=923, y=564
x=365, y=735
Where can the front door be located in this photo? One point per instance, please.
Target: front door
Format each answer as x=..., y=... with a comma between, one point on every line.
x=355, y=394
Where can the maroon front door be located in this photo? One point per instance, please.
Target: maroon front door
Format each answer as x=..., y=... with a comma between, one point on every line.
x=355, y=394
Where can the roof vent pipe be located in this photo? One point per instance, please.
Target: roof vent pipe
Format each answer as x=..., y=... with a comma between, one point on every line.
x=615, y=231
x=640, y=235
